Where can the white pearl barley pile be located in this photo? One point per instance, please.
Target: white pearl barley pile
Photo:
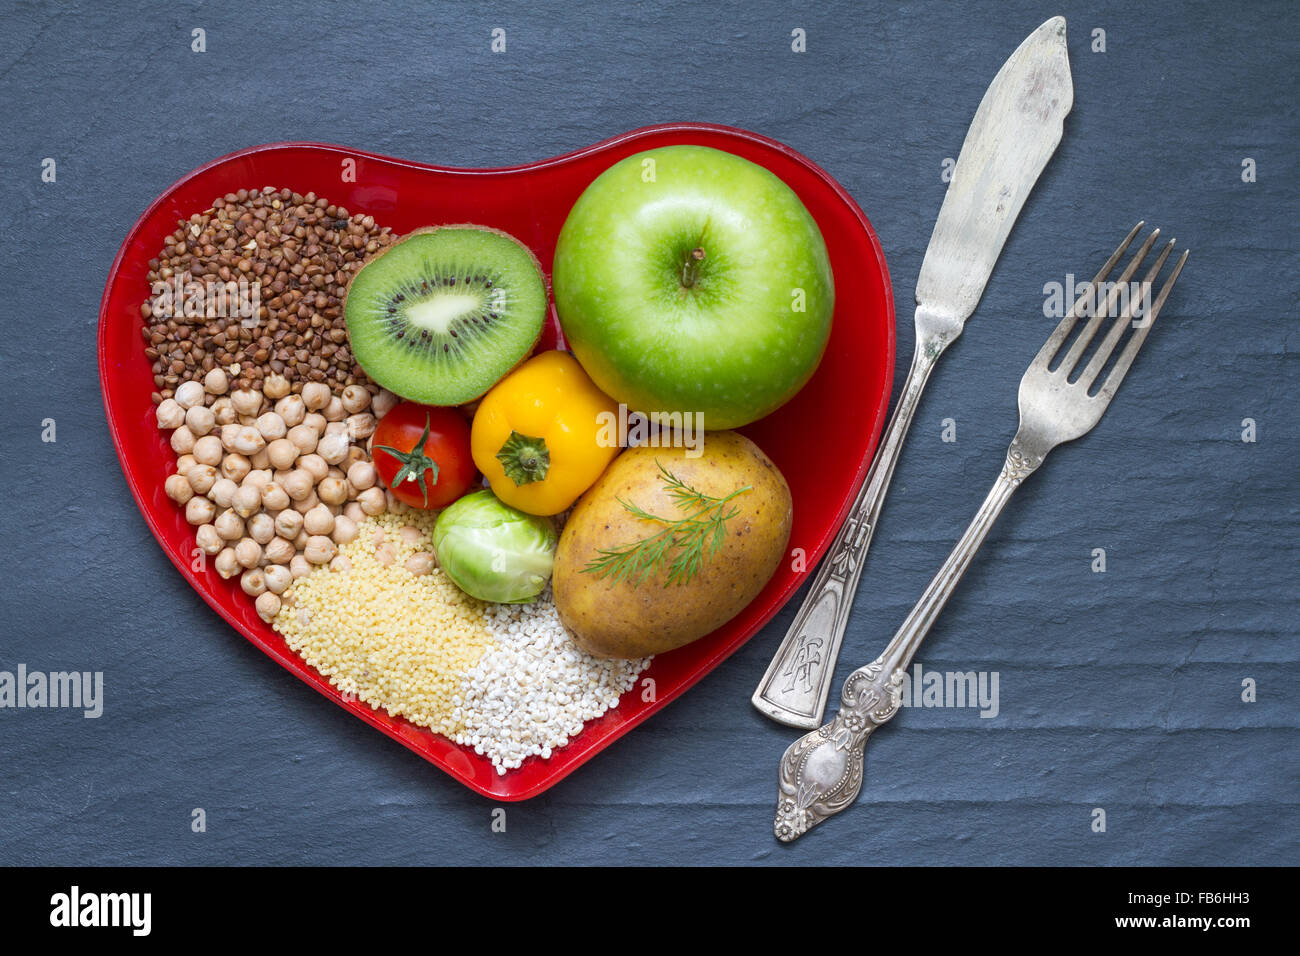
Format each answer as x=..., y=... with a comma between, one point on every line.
x=534, y=690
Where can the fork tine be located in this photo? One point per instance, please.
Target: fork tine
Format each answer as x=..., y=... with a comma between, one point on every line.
x=1139, y=335
x=1098, y=361
x=1053, y=343
x=1100, y=312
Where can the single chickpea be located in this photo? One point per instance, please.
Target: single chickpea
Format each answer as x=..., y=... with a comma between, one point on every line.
x=291, y=409
x=334, y=410
x=332, y=490
x=355, y=399
x=170, y=414
x=275, y=386
x=182, y=441
x=336, y=428
x=314, y=465
x=320, y=549
x=421, y=562
x=184, y=463
x=229, y=525
x=410, y=535
x=201, y=478
x=224, y=411
x=271, y=426
x=189, y=394
x=247, y=501
x=345, y=530
x=333, y=448
x=222, y=492
x=279, y=551
x=215, y=382
x=235, y=466
x=200, y=420
x=315, y=395
x=304, y=438
x=253, y=581
x=208, y=451
x=282, y=453
x=208, y=540
x=246, y=401
x=361, y=426
x=298, y=484
x=362, y=475
x=340, y=563
x=267, y=604
x=227, y=564
x=249, y=553
x=227, y=434
x=199, y=511
x=315, y=421
x=385, y=555
x=299, y=566
x=259, y=478
x=178, y=489
x=383, y=403
x=372, y=501
x=248, y=440
x=274, y=497
x=318, y=520
x=288, y=524
x=260, y=460
x=306, y=504
x=352, y=511
x=278, y=577
x=261, y=528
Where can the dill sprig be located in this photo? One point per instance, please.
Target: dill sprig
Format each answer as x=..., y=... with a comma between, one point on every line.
x=683, y=545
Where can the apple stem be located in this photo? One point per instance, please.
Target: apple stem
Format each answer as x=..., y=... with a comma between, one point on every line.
x=690, y=271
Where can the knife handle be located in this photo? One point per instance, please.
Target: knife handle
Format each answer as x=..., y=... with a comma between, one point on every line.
x=797, y=682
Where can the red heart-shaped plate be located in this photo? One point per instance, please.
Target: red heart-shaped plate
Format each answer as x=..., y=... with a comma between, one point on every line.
x=822, y=440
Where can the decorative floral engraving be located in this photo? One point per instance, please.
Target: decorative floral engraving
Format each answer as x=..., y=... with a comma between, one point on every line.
x=1019, y=465
x=812, y=791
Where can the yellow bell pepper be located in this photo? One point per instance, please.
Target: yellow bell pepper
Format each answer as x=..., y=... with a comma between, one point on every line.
x=537, y=435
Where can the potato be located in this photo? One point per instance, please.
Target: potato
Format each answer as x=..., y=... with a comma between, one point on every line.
x=626, y=619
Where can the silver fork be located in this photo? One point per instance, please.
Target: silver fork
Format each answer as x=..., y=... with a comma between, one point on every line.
x=821, y=772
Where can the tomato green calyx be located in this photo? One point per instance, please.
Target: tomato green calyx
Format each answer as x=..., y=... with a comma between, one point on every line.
x=414, y=462
x=524, y=458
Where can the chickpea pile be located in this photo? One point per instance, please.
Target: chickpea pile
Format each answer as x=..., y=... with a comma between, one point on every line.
x=275, y=482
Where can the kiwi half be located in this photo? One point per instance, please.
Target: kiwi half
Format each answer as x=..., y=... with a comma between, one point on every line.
x=443, y=313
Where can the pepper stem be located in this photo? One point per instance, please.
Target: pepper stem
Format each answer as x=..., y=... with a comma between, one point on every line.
x=524, y=458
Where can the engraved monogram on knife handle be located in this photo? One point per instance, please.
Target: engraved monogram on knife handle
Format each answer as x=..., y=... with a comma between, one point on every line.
x=797, y=683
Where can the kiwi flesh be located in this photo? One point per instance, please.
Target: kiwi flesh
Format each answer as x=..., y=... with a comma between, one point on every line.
x=443, y=313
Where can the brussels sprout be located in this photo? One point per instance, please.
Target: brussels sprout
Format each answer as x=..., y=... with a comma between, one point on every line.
x=492, y=551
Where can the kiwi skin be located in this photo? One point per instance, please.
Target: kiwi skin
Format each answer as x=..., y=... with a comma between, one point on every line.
x=427, y=230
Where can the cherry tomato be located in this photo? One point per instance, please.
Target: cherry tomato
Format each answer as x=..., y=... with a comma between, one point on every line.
x=423, y=454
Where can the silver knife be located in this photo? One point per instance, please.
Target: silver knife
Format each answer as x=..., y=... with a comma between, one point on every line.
x=1015, y=131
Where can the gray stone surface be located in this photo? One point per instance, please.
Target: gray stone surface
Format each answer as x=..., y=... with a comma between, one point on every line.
x=1118, y=690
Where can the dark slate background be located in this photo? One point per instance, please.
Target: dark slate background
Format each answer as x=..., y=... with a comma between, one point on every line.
x=1119, y=690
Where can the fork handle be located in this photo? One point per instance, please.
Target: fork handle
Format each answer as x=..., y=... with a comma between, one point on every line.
x=798, y=681
x=821, y=772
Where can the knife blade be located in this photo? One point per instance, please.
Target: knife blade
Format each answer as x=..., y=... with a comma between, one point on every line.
x=1016, y=129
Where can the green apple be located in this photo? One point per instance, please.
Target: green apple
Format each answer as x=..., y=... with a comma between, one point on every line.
x=688, y=279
